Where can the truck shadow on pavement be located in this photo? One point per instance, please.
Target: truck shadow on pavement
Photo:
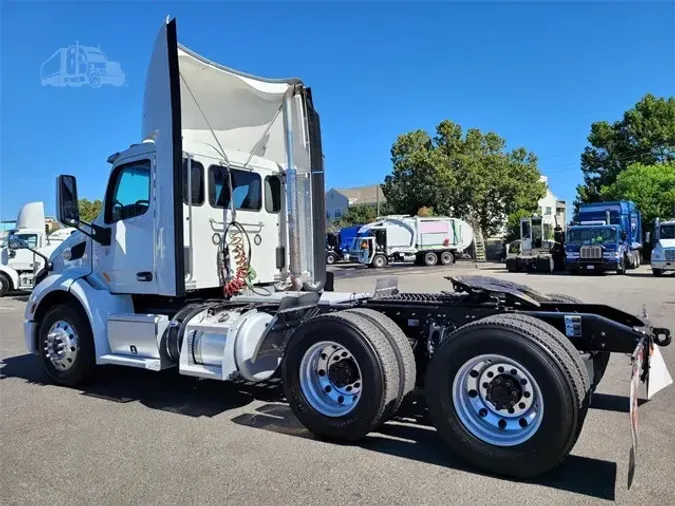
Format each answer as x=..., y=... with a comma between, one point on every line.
x=410, y=435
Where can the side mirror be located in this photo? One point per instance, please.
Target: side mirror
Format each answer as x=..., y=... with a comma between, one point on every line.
x=623, y=235
x=67, y=206
x=14, y=243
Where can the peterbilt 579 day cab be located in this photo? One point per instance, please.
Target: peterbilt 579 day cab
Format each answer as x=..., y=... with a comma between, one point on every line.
x=209, y=258
x=20, y=270
x=663, y=254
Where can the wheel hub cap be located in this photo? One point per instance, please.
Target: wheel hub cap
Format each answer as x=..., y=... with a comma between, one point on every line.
x=497, y=400
x=61, y=345
x=330, y=379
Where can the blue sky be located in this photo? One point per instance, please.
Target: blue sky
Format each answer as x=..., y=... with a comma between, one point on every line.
x=536, y=73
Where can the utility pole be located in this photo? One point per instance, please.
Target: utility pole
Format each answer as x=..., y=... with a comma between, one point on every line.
x=378, y=199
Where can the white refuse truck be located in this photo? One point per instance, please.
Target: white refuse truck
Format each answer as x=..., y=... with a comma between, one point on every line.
x=663, y=254
x=209, y=258
x=403, y=238
x=19, y=270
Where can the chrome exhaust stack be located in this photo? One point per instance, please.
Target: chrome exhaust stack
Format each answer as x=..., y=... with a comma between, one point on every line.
x=304, y=192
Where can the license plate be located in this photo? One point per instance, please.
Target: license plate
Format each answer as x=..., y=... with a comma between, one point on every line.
x=590, y=267
x=636, y=364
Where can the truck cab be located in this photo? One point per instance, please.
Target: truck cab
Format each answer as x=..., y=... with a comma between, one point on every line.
x=595, y=248
x=605, y=236
x=663, y=254
x=19, y=267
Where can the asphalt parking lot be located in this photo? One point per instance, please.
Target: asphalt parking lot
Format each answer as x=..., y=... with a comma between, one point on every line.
x=156, y=438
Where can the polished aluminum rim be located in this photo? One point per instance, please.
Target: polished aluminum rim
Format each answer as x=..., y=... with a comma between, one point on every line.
x=330, y=379
x=61, y=345
x=497, y=400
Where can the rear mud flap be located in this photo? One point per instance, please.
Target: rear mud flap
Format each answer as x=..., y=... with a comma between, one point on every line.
x=649, y=367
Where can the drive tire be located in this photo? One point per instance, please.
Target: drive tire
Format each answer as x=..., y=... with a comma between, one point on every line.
x=552, y=369
x=430, y=259
x=85, y=360
x=403, y=350
x=379, y=261
x=5, y=284
x=379, y=369
x=447, y=258
x=512, y=265
x=621, y=268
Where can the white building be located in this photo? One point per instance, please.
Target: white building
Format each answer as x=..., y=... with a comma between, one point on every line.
x=551, y=208
x=339, y=200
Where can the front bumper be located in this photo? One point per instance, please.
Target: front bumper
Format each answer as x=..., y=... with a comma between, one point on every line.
x=595, y=265
x=663, y=265
x=29, y=331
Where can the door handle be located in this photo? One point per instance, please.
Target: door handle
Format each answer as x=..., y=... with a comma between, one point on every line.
x=144, y=276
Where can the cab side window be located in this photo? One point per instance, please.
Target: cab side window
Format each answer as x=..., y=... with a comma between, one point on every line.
x=197, y=183
x=272, y=194
x=128, y=193
x=31, y=239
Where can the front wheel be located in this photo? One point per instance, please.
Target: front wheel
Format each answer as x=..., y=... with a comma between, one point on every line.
x=66, y=345
x=330, y=259
x=621, y=268
x=4, y=285
x=657, y=272
x=379, y=261
x=505, y=395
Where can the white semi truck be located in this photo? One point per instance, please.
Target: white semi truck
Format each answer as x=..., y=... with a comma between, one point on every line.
x=19, y=270
x=209, y=257
x=663, y=254
x=403, y=238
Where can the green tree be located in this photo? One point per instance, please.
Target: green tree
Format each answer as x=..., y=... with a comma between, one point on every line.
x=645, y=135
x=89, y=210
x=651, y=187
x=469, y=176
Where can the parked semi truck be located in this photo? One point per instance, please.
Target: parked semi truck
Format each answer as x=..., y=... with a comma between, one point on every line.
x=663, y=254
x=214, y=277
x=605, y=236
x=539, y=249
x=20, y=270
x=402, y=238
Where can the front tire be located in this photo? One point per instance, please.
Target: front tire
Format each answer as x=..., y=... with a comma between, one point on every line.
x=330, y=259
x=657, y=272
x=340, y=376
x=5, y=285
x=621, y=268
x=475, y=415
x=66, y=345
x=379, y=261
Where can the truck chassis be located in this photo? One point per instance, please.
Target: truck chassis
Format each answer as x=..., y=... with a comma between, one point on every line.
x=505, y=369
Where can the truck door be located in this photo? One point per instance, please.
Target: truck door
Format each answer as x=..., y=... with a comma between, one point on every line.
x=526, y=234
x=127, y=265
x=23, y=259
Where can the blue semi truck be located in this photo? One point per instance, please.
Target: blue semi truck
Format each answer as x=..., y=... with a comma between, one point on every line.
x=605, y=236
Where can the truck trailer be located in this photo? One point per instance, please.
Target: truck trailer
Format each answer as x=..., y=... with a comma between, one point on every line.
x=214, y=277
x=403, y=238
x=19, y=270
x=605, y=236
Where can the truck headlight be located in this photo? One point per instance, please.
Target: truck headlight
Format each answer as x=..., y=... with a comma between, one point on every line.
x=657, y=254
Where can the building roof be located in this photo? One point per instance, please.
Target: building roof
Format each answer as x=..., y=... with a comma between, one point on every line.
x=362, y=194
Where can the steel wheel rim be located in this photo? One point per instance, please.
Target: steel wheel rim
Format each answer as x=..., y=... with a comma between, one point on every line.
x=61, y=345
x=330, y=379
x=477, y=398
